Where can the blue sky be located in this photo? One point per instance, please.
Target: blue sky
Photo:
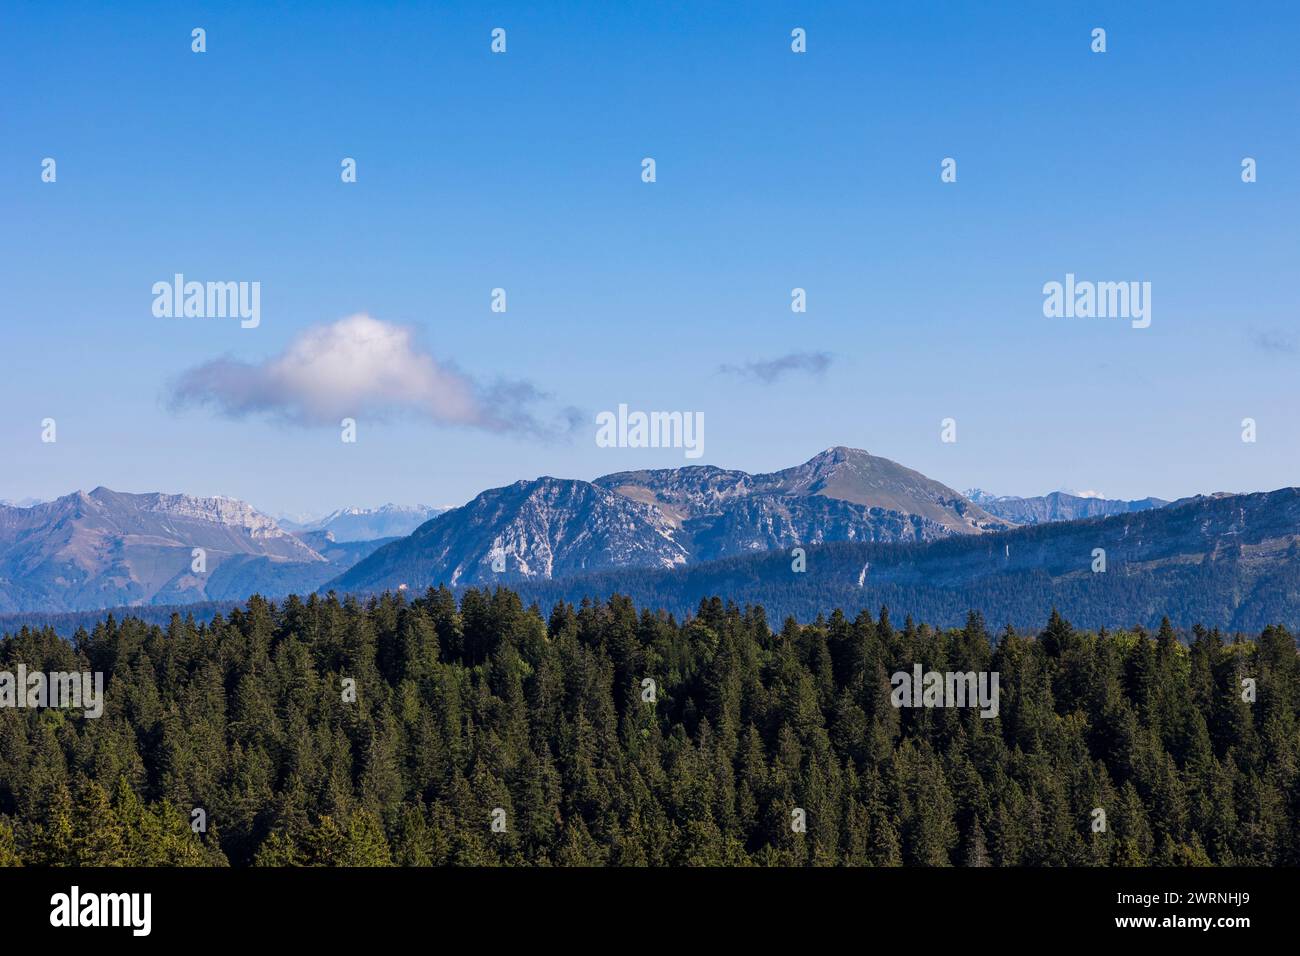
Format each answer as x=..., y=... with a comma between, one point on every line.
x=774, y=170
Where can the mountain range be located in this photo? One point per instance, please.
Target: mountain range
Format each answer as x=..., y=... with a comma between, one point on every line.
x=872, y=531
x=556, y=527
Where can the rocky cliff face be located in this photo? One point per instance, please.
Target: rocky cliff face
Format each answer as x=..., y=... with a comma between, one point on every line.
x=546, y=528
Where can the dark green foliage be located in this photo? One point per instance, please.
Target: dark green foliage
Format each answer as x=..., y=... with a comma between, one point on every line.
x=487, y=711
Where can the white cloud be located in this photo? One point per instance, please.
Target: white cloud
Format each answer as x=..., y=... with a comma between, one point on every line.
x=358, y=366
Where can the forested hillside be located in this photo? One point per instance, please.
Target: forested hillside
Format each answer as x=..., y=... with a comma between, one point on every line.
x=490, y=713
x=1231, y=562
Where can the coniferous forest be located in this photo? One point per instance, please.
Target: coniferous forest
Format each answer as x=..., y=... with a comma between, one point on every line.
x=423, y=733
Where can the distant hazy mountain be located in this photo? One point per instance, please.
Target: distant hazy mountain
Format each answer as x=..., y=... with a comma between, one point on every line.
x=666, y=518
x=1231, y=561
x=107, y=548
x=20, y=503
x=1058, y=506
x=342, y=554
x=368, y=524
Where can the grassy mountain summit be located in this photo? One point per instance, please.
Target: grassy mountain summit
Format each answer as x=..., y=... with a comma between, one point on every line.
x=853, y=475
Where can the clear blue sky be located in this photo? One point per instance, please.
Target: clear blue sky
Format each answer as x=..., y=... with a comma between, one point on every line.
x=775, y=170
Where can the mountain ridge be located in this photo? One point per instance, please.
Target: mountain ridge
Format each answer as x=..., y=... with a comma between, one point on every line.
x=656, y=518
x=106, y=548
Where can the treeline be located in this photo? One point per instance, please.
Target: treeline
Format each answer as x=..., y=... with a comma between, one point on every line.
x=423, y=732
x=67, y=622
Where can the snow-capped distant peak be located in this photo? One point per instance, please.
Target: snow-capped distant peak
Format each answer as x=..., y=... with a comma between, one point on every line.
x=367, y=524
x=22, y=502
x=1083, y=494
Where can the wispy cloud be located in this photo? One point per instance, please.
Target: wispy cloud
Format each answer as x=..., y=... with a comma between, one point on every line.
x=361, y=366
x=1276, y=341
x=770, y=370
